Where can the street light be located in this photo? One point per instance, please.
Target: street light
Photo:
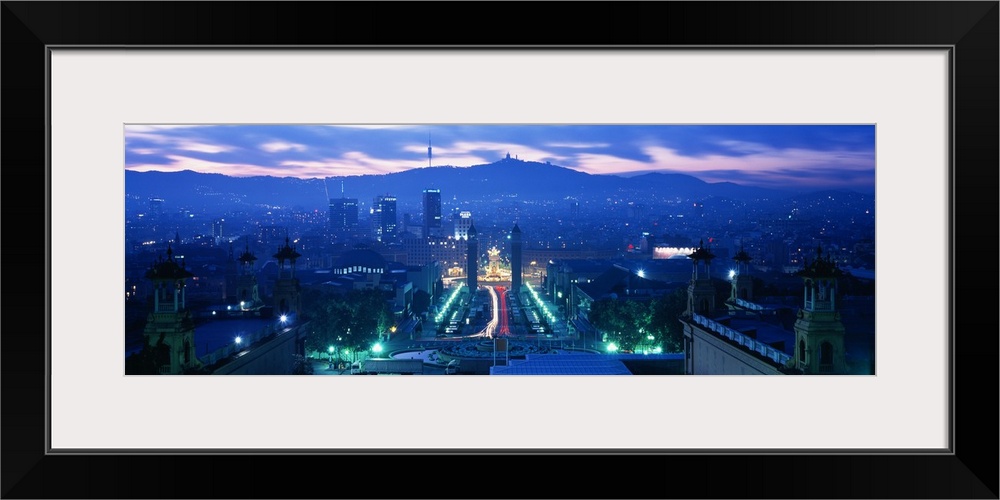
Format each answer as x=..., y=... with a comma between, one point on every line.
x=377, y=348
x=239, y=342
x=330, y=350
x=612, y=347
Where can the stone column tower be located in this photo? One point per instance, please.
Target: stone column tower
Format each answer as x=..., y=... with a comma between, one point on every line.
x=515, y=260
x=472, y=261
x=169, y=328
x=819, y=333
x=701, y=292
x=287, y=297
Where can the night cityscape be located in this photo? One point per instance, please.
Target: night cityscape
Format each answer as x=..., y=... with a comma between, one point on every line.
x=499, y=249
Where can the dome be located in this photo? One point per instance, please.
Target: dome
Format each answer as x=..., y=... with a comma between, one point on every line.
x=363, y=260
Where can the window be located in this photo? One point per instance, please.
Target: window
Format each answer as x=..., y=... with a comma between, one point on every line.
x=826, y=353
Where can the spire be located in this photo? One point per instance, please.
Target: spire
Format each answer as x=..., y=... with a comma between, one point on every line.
x=742, y=255
x=822, y=267
x=701, y=253
x=168, y=269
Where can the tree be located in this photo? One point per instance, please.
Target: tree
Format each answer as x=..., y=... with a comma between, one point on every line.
x=665, y=323
x=623, y=322
x=421, y=302
x=353, y=320
x=328, y=316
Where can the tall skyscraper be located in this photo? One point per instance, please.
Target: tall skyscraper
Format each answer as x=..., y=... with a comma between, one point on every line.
x=343, y=216
x=515, y=259
x=432, y=212
x=383, y=214
x=217, y=230
x=155, y=208
x=472, y=261
x=463, y=221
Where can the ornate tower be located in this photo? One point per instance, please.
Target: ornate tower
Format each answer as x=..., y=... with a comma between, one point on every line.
x=819, y=333
x=701, y=292
x=169, y=328
x=742, y=282
x=515, y=259
x=247, y=292
x=472, y=260
x=287, y=298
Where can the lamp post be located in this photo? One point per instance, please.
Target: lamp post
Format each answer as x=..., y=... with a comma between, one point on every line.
x=239, y=343
x=330, y=350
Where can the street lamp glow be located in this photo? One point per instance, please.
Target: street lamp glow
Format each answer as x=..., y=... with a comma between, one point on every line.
x=641, y=273
x=377, y=348
x=239, y=340
x=283, y=318
x=612, y=347
x=732, y=273
x=329, y=349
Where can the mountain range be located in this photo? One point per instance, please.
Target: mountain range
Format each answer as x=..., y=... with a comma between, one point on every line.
x=507, y=178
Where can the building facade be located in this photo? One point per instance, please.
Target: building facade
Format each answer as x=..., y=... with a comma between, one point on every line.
x=432, y=213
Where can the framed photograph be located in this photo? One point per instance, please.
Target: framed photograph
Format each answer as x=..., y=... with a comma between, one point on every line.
x=903, y=95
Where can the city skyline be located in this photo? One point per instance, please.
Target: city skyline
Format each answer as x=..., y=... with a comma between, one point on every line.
x=420, y=265
x=773, y=156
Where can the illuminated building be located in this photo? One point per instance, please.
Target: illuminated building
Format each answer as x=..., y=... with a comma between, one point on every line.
x=383, y=218
x=343, y=216
x=432, y=212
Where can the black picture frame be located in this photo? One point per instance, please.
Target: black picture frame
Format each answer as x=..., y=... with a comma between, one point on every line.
x=969, y=28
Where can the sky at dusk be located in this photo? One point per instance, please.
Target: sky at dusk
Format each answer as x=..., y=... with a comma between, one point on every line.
x=773, y=156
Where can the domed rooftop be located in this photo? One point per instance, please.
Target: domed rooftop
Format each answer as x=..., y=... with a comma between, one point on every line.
x=821, y=267
x=360, y=259
x=701, y=253
x=168, y=269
